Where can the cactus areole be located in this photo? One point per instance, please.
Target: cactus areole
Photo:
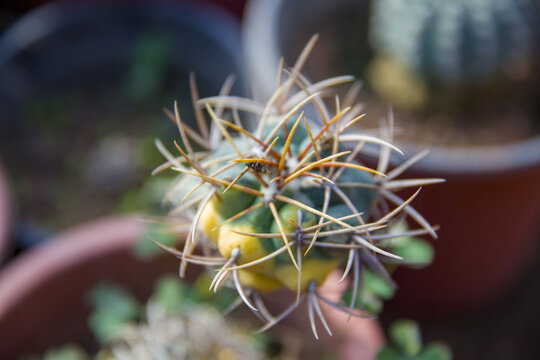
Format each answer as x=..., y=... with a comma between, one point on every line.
x=287, y=202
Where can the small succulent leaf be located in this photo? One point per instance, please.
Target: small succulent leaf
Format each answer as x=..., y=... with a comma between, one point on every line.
x=435, y=351
x=364, y=301
x=415, y=251
x=406, y=336
x=377, y=285
x=371, y=296
x=105, y=327
x=390, y=353
x=113, y=308
x=372, y=304
x=170, y=294
x=104, y=354
x=113, y=299
x=66, y=352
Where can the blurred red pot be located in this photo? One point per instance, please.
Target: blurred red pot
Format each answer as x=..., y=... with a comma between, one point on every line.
x=489, y=211
x=43, y=291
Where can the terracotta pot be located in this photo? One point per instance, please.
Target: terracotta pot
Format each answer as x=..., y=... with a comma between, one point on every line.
x=489, y=209
x=43, y=292
x=5, y=216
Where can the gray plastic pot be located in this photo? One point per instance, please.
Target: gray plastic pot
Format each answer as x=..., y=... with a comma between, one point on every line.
x=489, y=208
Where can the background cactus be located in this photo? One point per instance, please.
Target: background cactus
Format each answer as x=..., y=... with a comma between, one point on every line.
x=287, y=202
x=431, y=44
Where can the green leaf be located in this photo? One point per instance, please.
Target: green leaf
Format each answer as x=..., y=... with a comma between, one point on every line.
x=390, y=353
x=366, y=301
x=370, y=297
x=377, y=285
x=436, y=351
x=372, y=304
x=67, y=352
x=113, y=309
x=415, y=251
x=170, y=294
x=406, y=335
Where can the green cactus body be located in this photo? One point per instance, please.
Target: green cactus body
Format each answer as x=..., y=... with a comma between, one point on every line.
x=446, y=44
x=280, y=270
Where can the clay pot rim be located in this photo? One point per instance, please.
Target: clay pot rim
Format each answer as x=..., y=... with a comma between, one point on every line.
x=61, y=252
x=444, y=161
x=5, y=214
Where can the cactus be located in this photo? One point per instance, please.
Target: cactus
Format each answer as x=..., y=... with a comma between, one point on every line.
x=285, y=203
x=429, y=44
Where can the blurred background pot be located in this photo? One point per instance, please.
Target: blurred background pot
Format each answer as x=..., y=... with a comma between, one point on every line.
x=5, y=216
x=489, y=209
x=44, y=292
x=81, y=97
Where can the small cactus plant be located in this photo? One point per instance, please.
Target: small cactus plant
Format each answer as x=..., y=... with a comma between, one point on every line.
x=175, y=327
x=448, y=45
x=281, y=199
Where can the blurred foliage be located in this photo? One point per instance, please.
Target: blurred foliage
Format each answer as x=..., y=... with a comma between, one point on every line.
x=64, y=352
x=113, y=307
x=372, y=294
x=406, y=344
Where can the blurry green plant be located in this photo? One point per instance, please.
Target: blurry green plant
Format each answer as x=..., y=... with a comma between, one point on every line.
x=282, y=200
x=430, y=51
x=406, y=344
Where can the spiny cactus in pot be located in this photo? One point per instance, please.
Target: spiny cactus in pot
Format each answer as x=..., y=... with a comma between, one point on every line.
x=279, y=199
x=428, y=52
